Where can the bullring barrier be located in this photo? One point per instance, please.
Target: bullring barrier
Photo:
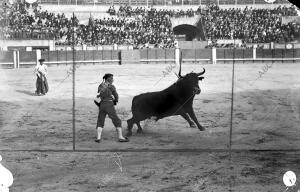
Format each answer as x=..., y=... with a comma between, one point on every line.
x=19, y=59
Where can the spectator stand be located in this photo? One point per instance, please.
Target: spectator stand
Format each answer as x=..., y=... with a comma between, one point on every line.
x=143, y=26
x=157, y=2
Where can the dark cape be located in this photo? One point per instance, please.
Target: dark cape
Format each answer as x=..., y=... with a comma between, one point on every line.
x=41, y=84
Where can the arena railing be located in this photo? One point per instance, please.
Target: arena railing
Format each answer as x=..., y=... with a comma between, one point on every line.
x=159, y=2
x=28, y=35
x=17, y=59
x=226, y=2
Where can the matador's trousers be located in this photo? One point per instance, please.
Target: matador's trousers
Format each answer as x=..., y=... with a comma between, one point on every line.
x=108, y=108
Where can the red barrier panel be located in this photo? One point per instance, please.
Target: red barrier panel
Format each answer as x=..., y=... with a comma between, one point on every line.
x=130, y=56
x=62, y=56
x=220, y=53
x=110, y=55
x=88, y=55
x=27, y=56
x=53, y=56
x=229, y=54
x=288, y=53
x=188, y=54
x=115, y=55
x=297, y=53
x=156, y=55
x=69, y=55
x=98, y=55
x=6, y=56
x=107, y=55
x=170, y=53
x=161, y=54
x=239, y=53
x=267, y=53
x=203, y=53
x=44, y=55
x=277, y=53
x=248, y=53
x=151, y=53
x=80, y=55
x=144, y=53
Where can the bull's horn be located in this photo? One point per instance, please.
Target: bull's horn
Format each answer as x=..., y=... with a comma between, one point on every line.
x=176, y=75
x=180, y=61
x=201, y=72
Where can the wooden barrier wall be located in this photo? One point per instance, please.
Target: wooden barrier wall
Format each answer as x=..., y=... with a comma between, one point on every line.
x=145, y=56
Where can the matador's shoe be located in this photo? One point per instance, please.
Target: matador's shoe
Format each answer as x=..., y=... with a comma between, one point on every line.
x=124, y=140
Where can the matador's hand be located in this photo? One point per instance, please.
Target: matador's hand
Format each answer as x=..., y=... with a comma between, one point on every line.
x=115, y=102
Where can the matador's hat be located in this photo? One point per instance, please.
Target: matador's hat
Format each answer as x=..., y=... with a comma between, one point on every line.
x=107, y=75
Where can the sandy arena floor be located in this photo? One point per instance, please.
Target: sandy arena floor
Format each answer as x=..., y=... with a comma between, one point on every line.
x=265, y=117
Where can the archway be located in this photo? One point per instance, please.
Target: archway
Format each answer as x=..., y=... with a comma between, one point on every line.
x=191, y=32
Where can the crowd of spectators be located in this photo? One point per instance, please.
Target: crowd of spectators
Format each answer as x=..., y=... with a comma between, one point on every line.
x=128, y=11
x=138, y=32
x=250, y=25
x=38, y=24
x=143, y=26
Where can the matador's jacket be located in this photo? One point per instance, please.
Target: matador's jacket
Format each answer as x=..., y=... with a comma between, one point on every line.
x=107, y=92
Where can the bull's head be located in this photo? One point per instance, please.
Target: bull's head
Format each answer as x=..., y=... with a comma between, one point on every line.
x=179, y=73
x=192, y=78
x=192, y=81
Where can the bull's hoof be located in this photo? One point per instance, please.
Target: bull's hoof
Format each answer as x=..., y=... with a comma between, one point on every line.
x=201, y=128
x=192, y=125
x=139, y=131
x=129, y=133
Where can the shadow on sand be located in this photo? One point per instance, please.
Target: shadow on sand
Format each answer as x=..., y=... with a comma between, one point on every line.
x=26, y=92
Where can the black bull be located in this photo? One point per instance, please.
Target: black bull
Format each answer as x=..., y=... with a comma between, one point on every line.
x=174, y=100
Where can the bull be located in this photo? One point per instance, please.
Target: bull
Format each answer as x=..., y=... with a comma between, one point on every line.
x=177, y=99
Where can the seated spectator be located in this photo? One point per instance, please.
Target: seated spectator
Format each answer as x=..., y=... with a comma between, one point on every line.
x=111, y=10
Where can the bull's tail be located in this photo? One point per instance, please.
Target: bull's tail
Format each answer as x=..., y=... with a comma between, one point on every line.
x=134, y=104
